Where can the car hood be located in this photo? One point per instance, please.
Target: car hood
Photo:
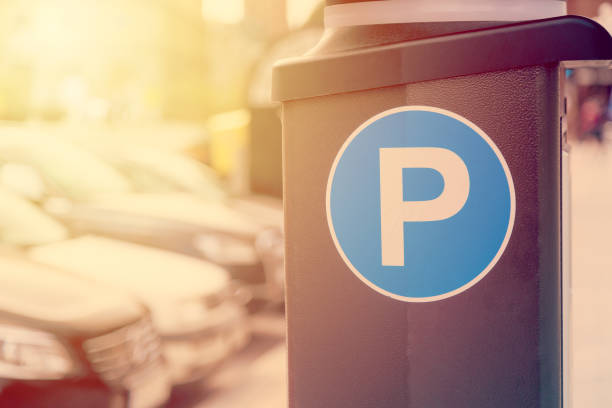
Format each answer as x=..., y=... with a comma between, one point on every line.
x=187, y=208
x=22, y=223
x=155, y=276
x=267, y=211
x=41, y=297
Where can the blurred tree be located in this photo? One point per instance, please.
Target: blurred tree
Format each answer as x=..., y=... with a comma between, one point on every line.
x=268, y=16
x=123, y=59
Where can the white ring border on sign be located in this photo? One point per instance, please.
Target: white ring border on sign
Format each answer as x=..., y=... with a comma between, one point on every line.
x=501, y=159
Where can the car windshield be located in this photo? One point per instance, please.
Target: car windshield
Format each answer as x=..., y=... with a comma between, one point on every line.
x=24, y=224
x=154, y=171
x=57, y=160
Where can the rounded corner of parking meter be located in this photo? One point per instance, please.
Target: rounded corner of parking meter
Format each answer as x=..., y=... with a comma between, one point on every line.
x=423, y=208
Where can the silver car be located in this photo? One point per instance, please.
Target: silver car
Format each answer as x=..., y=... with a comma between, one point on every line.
x=66, y=342
x=194, y=305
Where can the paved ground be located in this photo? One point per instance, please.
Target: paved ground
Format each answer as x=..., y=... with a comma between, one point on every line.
x=592, y=276
x=262, y=381
x=255, y=378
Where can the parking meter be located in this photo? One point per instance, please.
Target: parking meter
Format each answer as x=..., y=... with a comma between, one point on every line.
x=423, y=179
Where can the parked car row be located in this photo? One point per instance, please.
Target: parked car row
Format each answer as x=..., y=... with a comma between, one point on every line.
x=145, y=196
x=113, y=290
x=68, y=342
x=191, y=307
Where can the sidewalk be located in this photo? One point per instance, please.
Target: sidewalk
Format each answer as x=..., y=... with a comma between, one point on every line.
x=591, y=170
x=255, y=383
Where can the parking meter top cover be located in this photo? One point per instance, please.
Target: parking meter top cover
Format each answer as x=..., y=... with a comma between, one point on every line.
x=333, y=2
x=497, y=48
x=348, y=13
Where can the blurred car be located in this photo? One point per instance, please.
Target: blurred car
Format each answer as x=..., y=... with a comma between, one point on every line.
x=188, y=187
x=151, y=170
x=265, y=155
x=175, y=222
x=67, y=171
x=194, y=306
x=178, y=205
x=192, y=302
x=270, y=243
x=65, y=342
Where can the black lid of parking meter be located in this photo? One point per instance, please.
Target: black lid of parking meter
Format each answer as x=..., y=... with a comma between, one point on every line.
x=502, y=47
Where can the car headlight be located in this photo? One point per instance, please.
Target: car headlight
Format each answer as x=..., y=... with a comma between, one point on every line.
x=225, y=250
x=176, y=318
x=33, y=355
x=271, y=250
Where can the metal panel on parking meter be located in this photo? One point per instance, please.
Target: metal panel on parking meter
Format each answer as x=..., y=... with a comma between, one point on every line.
x=422, y=165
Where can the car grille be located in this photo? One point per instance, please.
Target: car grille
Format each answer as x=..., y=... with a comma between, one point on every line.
x=120, y=356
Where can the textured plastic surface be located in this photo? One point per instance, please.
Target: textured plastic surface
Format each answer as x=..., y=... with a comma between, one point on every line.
x=498, y=344
x=495, y=345
x=485, y=50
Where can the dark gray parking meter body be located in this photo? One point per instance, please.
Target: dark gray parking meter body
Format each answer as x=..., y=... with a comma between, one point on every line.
x=497, y=342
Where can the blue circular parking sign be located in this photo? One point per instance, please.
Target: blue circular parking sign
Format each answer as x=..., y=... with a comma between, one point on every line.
x=420, y=203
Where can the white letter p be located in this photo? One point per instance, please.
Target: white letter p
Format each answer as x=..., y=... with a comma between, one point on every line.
x=394, y=211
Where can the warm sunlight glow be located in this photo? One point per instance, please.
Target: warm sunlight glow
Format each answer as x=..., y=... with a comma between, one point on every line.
x=298, y=11
x=226, y=11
